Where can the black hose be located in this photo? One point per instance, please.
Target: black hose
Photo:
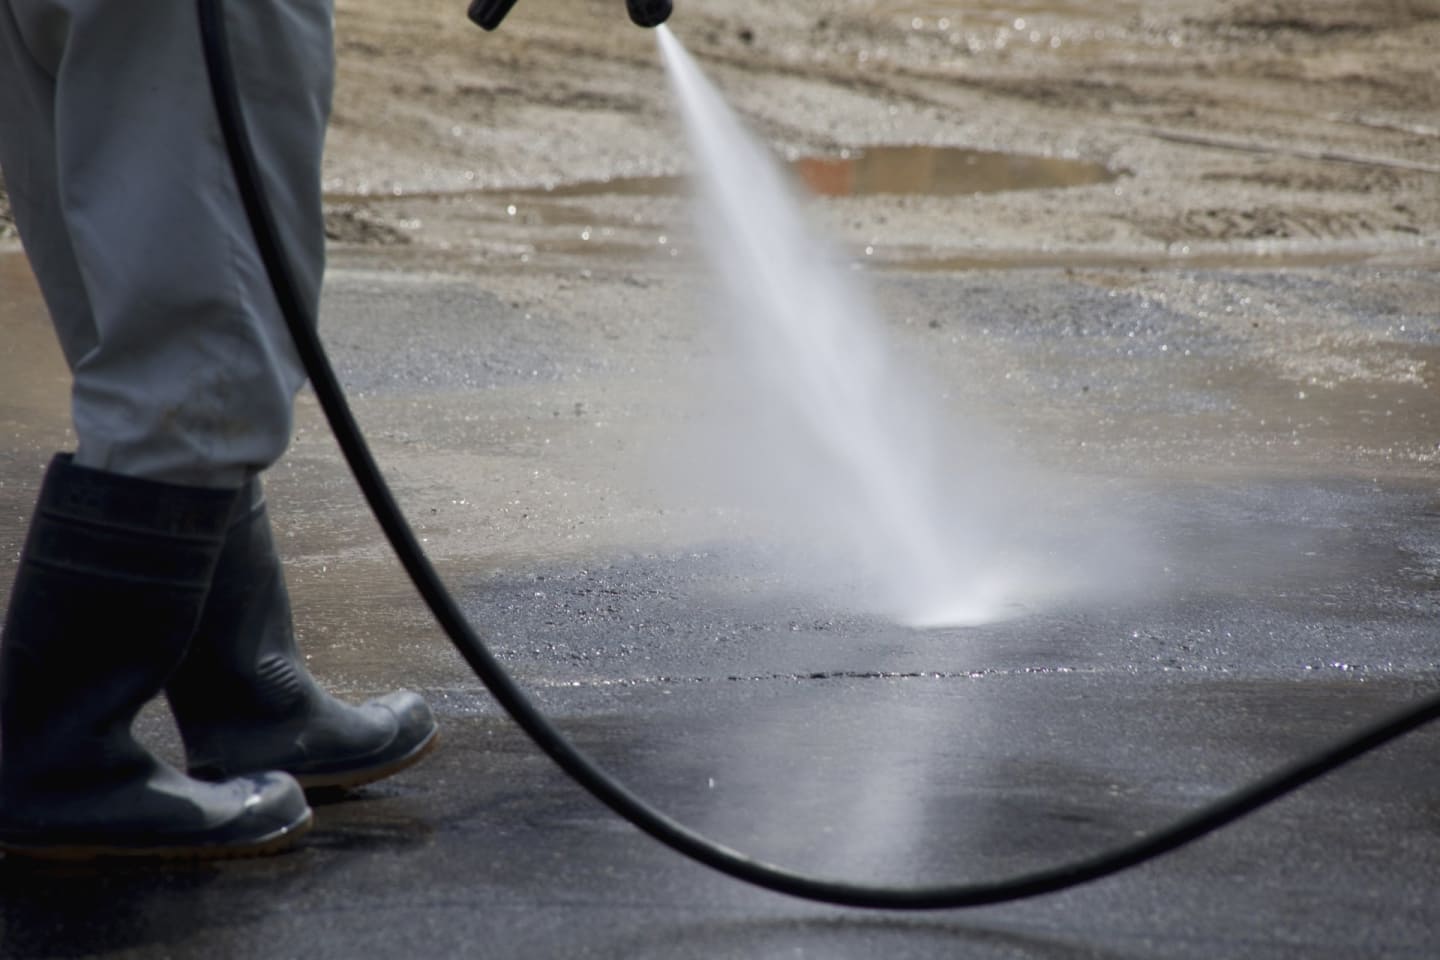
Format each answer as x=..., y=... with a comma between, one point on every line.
x=580, y=768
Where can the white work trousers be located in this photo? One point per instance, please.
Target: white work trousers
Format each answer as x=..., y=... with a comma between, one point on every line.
x=127, y=208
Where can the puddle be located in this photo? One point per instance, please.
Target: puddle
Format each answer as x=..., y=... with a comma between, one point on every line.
x=874, y=171
x=871, y=171
x=893, y=171
x=862, y=172
x=942, y=172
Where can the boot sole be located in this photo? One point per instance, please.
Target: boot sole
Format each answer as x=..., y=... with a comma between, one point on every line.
x=346, y=779
x=277, y=842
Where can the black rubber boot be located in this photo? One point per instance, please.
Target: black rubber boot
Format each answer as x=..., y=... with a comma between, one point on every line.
x=111, y=583
x=244, y=701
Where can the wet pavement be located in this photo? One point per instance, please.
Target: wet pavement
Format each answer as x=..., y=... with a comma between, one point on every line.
x=1266, y=437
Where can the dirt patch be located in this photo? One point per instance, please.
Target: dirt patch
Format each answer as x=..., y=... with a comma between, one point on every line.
x=1263, y=127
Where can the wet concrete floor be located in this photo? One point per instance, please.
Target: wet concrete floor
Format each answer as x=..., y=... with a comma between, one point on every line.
x=1269, y=435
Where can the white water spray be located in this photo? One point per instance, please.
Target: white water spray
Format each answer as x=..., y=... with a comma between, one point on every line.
x=840, y=441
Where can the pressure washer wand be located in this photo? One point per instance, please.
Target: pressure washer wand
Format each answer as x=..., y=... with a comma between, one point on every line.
x=643, y=13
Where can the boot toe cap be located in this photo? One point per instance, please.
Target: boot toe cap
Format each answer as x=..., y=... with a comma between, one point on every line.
x=414, y=723
x=403, y=730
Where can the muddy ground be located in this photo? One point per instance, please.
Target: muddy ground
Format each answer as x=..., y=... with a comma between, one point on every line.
x=1268, y=128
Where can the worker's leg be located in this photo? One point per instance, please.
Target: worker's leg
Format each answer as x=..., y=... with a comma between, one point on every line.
x=183, y=369
x=182, y=374
x=215, y=380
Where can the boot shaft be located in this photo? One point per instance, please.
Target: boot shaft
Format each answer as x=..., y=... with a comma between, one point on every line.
x=112, y=579
x=243, y=699
x=243, y=662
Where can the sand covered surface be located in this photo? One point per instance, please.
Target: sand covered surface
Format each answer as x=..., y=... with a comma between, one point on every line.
x=1300, y=132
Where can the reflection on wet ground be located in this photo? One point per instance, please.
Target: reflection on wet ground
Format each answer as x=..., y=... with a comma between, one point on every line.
x=486, y=843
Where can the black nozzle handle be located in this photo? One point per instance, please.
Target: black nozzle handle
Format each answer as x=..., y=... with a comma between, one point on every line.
x=643, y=13
x=489, y=13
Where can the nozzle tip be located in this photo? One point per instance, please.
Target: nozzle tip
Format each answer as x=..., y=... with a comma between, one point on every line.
x=649, y=13
x=488, y=13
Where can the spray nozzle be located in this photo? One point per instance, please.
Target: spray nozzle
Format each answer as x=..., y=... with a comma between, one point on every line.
x=649, y=13
x=643, y=13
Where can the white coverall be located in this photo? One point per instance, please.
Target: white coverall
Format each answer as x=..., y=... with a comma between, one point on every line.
x=127, y=208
